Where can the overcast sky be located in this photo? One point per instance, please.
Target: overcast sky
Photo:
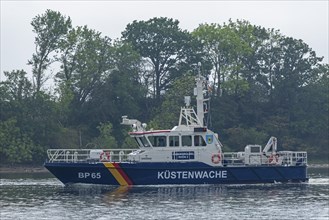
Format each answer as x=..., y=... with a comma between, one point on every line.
x=306, y=20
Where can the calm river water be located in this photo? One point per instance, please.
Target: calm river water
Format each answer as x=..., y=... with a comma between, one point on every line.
x=41, y=196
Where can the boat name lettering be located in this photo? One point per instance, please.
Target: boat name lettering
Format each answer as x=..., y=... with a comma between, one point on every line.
x=85, y=175
x=218, y=174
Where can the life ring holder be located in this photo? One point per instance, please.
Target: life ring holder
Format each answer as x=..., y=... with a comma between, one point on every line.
x=215, y=158
x=105, y=156
x=274, y=159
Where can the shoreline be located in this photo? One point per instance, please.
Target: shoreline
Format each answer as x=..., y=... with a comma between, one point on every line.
x=40, y=169
x=22, y=169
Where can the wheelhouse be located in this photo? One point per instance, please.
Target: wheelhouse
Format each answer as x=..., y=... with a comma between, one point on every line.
x=169, y=139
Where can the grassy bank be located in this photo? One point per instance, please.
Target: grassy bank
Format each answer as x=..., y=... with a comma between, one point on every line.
x=22, y=169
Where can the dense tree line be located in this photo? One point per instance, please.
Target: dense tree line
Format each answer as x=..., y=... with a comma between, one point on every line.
x=262, y=84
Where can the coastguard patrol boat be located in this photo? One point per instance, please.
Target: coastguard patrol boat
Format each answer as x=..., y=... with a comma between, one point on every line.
x=189, y=153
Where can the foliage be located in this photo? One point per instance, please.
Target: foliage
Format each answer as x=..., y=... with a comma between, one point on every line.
x=264, y=84
x=223, y=47
x=15, y=147
x=105, y=139
x=237, y=138
x=162, y=42
x=168, y=113
x=51, y=28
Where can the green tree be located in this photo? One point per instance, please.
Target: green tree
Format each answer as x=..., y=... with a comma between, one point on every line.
x=236, y=138
x=15, y=147
x=16, y=94
x=222, y=47
x=51, y=29
x=310, y=123
x=163, y=44
x=167, y=114
x=17, y=86
x=105, y=139
x=292, y=72
x=85, y=62
x=32, y=120
x=121, y=93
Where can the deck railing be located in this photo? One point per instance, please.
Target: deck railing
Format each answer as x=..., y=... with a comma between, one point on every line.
x=282, y=158
x=88, y=155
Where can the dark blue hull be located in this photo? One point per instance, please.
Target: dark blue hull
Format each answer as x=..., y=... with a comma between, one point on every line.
x=172, y=173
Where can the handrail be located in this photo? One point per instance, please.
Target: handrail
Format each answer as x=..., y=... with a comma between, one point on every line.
x=281, y=158
x=88, y=155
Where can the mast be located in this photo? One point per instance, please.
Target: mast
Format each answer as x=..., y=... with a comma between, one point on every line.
x=198, y=91
x=200, y=99
x=187, y=115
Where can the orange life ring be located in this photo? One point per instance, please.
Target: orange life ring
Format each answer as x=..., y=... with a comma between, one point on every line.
x=215, y=158
x=273, y=159
x=105, y=156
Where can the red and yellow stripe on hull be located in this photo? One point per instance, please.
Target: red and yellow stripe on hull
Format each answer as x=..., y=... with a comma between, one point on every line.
x=118, y=173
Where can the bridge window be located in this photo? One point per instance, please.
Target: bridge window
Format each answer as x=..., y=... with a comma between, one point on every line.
x=144, y=141
x=199, y=141
x=158, y=141
x=186, y=140
x=138, y=142
x=173, y=141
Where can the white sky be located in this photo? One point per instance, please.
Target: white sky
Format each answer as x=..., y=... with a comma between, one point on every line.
x=306, y=20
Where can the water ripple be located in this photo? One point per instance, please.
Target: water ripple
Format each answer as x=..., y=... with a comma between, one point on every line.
x=46, y=198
